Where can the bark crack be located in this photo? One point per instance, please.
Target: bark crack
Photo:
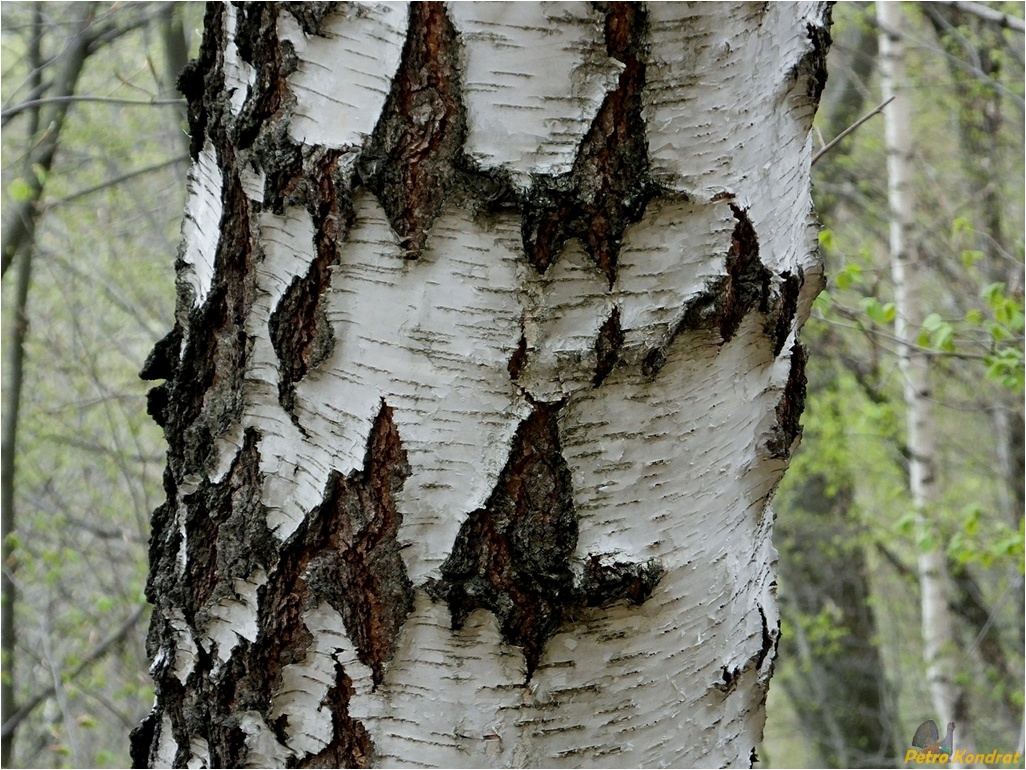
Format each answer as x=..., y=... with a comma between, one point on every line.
x=747, y=286
x=357, y=568
x=410, y=159
x=608, y=187
x=514, y=556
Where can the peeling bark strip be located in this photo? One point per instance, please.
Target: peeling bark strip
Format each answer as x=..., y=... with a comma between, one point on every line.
x=383, y=418
x=409, y=163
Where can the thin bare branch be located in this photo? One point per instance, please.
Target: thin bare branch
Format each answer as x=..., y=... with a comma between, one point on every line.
x=116, y=181
x=97, y=653
x=987, y=13
x=876, y=111
x=12, y=111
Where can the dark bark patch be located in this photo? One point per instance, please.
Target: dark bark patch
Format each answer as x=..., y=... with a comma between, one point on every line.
x=605, y=583
x=748, y=281
x=549, y=220
x=257, y=41
x=727, y=300
x=653, y=361
x=205, y=397
x=157, y=404
x=310, y=15
x=357, y=567
x=485, y=191
x=514, y=556
x=409, y=162
x=163, y=359
x=344, y=553
x=609, y=186
x=141, y=740
x=783, y=307
x=812, y=67
x=200, y=77
x=615, y=151
x=607, y=347
x=165, y=540
x=518, y=360
x=300, y=332
x=224, y=533
x=790, y=407
x=351, y=744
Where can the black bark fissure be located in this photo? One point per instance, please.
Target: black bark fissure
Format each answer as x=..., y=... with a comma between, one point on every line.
x=410, y=160
x=300, y=332
x=727, y=300
x=514, y=556
x=790, y=407
x=357, y=568
x=607, y=347
x=608, y=187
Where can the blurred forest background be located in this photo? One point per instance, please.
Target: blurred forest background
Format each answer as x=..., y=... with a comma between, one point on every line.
x=94, y=159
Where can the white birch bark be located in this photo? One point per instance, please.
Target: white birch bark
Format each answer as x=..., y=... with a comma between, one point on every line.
x=672, y=451
x=908, y=272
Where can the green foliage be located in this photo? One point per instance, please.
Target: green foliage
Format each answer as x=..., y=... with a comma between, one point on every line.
x=968, y=252
x=89, y=457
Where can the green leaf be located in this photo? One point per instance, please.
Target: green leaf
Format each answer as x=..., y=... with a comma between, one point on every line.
x=974, y=317
x=40, y=173
x=20, y=190
x=961, y=226
x=878, y=313
x=971, y=256
x=826, y=239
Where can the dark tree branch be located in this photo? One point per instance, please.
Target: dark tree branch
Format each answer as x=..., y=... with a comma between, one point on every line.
x=105, y=646
x=988, y=14
x=10, y=112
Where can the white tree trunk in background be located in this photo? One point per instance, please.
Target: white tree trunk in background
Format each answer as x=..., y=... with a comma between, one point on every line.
x=485, y=368
x=909, y=271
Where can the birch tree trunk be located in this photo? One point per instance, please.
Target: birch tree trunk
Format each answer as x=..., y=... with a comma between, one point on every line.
x=908, y=271
x=485, y=367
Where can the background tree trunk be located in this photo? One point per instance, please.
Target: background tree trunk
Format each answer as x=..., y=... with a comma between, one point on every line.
x=483, y=373
x=907, y=269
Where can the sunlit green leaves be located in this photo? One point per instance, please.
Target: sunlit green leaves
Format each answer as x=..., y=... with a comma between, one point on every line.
x=19, y=190
x=881, y=313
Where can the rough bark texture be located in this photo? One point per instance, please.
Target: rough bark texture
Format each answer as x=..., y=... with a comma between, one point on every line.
x=485, y=367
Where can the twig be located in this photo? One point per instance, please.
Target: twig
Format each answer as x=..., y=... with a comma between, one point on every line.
x=12, y=111
x=100, y=650
x=878, y=109
x=988, y=14
x=115, y=181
